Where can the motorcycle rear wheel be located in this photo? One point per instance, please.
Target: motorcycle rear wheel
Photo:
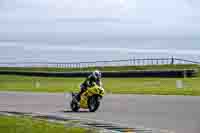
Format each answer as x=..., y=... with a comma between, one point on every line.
x=74, y=106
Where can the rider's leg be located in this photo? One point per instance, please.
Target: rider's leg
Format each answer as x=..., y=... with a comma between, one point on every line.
x=83, y=88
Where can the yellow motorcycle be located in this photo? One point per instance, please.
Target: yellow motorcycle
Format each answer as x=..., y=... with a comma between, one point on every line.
x=90, y=99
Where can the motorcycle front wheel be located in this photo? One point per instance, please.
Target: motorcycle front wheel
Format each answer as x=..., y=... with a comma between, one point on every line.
x=93, y=103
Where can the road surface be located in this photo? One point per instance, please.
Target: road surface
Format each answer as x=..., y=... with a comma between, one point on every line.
x=177, y=113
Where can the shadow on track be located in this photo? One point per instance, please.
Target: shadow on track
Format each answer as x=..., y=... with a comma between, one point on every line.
x=70, y=111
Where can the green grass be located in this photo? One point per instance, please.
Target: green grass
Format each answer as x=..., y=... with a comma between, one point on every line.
x=163, y=86
x=12, y=124
x=119, y=68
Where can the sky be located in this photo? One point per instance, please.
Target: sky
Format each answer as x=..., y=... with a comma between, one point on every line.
x=99, y=24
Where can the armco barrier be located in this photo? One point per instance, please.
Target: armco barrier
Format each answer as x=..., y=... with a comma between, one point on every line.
x=163, y=73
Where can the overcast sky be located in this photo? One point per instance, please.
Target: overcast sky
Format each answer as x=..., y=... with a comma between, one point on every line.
x=72, y=20
x=99, y=23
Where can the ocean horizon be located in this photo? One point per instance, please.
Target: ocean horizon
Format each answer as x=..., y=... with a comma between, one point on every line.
x=40, y=52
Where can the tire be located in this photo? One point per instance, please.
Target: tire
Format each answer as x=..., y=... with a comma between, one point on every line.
x=93, y=103
x=74, y=106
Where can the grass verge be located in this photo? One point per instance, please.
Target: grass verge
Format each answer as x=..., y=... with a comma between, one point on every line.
x=14, y=124
x=161, y=86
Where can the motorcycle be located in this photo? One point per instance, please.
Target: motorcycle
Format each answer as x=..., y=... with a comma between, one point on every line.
x=90, y=99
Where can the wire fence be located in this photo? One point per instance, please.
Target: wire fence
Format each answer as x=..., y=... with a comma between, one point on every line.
x=128, y=62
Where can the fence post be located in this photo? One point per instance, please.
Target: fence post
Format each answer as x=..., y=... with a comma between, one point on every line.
x=172, y=61
x=185, y=73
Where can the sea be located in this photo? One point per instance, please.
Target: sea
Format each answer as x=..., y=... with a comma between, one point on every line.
x=11, y=51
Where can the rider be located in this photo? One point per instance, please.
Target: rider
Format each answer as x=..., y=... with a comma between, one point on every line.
x=91, y=80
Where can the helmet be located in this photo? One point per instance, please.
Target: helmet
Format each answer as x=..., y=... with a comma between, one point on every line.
x=97, y=74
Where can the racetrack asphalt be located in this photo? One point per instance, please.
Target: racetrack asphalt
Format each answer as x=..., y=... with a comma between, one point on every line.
x=180, y=114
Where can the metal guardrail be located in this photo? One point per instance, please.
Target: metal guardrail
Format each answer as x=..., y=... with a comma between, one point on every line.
x=128, y=62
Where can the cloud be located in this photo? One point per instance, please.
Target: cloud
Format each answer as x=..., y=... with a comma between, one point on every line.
x=193, y=3
x=99, y=26
x=73, y=21
x=154, y=10
x=70, y=8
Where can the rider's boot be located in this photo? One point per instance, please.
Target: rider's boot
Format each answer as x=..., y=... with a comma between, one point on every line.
x=78, y=97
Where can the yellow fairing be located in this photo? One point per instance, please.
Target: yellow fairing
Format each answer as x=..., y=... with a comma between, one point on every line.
x=90, y=91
